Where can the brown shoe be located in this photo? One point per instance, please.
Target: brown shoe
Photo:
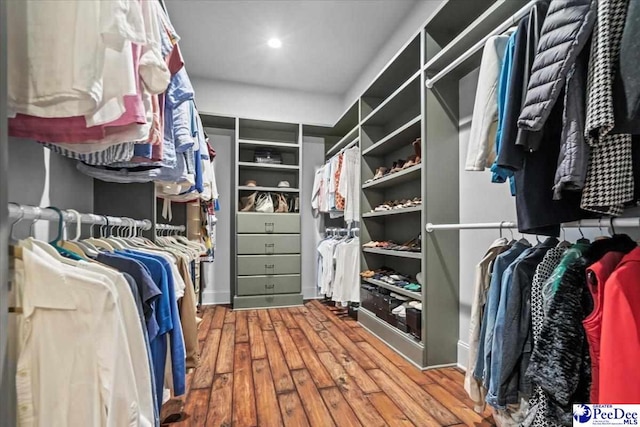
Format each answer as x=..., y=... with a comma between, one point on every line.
x=248, y=203
x=417, y=146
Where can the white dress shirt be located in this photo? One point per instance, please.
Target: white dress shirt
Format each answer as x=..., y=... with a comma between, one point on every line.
x=74, y=367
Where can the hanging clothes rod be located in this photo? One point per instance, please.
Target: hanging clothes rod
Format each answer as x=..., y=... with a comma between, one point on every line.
x=24, y=212
x=586, y=223
x=169, y=227
x=476, y=47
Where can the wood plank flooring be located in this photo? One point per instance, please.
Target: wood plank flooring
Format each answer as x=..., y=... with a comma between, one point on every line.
x=305, y=366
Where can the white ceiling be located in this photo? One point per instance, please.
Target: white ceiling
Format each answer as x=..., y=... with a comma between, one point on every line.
x=326, y=43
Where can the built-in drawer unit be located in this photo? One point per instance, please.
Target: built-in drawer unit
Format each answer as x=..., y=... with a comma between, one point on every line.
x=268, y=244
x=253, y=265
x=259, y=301
x=258, y=223
x=264, y=285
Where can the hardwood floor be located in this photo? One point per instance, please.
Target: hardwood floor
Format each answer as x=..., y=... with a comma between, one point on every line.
x=305, y=366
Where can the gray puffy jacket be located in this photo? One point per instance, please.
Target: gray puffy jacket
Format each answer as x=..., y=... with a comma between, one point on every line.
x=560, y=63
x=566, y=29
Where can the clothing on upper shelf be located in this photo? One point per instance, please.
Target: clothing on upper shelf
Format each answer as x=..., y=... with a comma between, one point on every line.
x=125, y=315
x=551, y=332
x=120, y=103
x=336, y=186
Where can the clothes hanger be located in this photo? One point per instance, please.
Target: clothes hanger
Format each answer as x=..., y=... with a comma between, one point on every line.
x=113, y=238
x=602, y=234
x=564, y=243
x=582, y=239
x=50, y=248
x=34, y=220
x=611, y=226
x=72, y=245
x=12, y=238
x=101, y=243
x=56, y=242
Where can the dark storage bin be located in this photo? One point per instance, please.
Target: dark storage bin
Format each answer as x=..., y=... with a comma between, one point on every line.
x=386, y=305
x=367, y=298
x=402, y=324
x=414, y=322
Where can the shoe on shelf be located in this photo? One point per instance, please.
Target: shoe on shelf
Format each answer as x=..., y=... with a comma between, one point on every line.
x=413, y=287
x=417, y=147
x=397, y=166
x=371, y=244
x=248, y=203
x=380, y=172
x=411, y=161
x=400, y=311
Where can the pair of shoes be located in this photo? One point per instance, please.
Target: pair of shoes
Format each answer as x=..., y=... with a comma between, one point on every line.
x=413, y=287
x=253, y=183
x=397, y=166
x=416, y=158
x=367, y=274
x=398, y=204
x=248, y=203
x=380, y=172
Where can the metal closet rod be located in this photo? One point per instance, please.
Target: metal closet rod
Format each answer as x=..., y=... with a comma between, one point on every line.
x=476, y=47
x=169, y=227
x=25, y=212
x=586, y=223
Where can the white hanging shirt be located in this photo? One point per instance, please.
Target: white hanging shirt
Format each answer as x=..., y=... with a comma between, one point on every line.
x=349, y=185
x=56, y=52
x=74, y=367
x=346, y=284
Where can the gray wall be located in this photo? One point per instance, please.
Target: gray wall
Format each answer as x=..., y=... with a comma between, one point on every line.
x=312, y=227
x=264, y=103
x=38, y=177
x=218, y=275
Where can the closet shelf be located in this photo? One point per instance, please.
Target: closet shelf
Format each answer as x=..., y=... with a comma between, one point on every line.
x=392, y=212
x=495, y=20
x=255, y=165
x=352, y=135
x=404, y=135
x=405, y=97
x=400, y=254
x=282, y=146
x=391, y=180
x=269, y=189
x=396, y=289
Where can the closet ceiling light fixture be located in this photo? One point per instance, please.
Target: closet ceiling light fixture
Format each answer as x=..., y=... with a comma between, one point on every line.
x=275, y=43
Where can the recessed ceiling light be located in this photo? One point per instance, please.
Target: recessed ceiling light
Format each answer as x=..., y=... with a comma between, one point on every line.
x=275, y=43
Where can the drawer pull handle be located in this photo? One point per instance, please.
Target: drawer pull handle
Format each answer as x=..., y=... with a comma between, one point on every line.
x=269, y=227
x=271, y=286
x=268, y=267
x=270, y=299
x=269, y=248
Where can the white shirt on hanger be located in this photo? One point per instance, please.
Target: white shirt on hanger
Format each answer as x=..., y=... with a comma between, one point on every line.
x=74, y=367
x=61, y=76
